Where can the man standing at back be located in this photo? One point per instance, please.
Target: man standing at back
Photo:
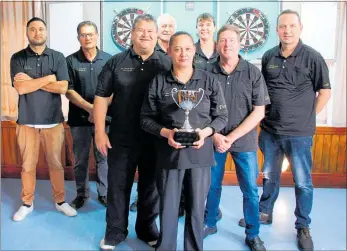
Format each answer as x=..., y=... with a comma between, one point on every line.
x=294, y=74
x=127, y=76
x=40, y=76
x=166, y=28
x=84, y=66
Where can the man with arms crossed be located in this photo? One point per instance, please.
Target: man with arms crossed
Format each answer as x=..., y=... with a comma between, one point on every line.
x=40, y=76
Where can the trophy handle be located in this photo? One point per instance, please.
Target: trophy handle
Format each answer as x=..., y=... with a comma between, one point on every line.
x=203, y=92
x=173, y=91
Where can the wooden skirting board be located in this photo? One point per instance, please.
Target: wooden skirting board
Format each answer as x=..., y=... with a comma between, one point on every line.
x=328, y=151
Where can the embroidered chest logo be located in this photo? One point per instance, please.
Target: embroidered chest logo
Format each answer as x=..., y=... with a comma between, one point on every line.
x=272, y=66
x=127, y=69
x=26, y=67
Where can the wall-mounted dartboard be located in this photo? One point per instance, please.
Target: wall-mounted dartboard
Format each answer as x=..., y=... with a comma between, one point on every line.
x=122, y=25
x=253, y=25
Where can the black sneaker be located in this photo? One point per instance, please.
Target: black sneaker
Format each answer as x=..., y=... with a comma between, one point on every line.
x=255, y=244
x=265, y=219
x=103, y=200
x=78, y=202
x=133, y=206
x=304, y=239
x=209, y=230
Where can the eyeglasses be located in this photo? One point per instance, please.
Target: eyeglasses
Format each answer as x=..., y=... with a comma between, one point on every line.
x=85, y=35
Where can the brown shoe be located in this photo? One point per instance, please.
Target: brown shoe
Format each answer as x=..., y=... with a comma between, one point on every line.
x=304, y=239
x=265, y=219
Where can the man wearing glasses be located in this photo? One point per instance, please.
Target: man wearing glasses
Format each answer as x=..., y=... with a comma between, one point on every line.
x=84, y=66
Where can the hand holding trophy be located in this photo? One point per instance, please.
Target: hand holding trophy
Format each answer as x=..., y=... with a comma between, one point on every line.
x=186, y=100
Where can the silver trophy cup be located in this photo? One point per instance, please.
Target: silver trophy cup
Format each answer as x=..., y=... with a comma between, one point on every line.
x=186, y=100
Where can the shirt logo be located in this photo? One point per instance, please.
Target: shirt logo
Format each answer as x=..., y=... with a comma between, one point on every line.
x=82, y=69
x=26, y=67
x=271, y=66
x=127, y=69
x=325, y=84
x=222, y=107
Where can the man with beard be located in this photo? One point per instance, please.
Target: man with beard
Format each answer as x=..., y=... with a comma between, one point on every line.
x=127, y=76
x=40, y=76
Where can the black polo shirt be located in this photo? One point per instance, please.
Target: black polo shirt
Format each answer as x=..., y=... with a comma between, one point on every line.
x=127, y=76
x=292, y=83
x=84, y=79
x=160, y=50
x=39, y=107
x=159, y=110
x=200, y=59
x=243, y=88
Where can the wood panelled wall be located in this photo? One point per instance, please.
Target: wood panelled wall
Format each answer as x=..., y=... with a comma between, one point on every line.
x=328, y=151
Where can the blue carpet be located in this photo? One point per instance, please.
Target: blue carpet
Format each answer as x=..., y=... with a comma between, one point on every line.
x=47, y=229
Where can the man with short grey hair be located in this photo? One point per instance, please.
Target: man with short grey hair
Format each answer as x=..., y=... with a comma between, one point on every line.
x=84, y=66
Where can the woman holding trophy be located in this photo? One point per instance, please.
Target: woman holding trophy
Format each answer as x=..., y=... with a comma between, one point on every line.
x=184, y=107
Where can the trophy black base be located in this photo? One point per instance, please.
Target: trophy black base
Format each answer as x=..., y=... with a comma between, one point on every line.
x=186, y=138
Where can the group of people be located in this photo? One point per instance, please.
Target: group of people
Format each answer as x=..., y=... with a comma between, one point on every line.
x=124, y=104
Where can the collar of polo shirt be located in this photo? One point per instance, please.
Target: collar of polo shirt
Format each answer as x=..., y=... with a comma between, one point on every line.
x=196, y=76
x=82, y=57
x=153, y=56
x=241, y=66
x=278, y=53
x=201, y=53
x=31, y=53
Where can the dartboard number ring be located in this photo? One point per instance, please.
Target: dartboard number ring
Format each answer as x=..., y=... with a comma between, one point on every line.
x=253, y=25
x=122, y=25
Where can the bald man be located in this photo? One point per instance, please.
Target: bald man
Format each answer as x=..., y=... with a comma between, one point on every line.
x=166, y=27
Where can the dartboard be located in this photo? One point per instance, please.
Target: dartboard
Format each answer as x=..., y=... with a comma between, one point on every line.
x=253, y=25
x=122, y=25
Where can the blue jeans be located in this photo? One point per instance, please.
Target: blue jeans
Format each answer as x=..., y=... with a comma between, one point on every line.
x=246, y=164
x=297, y=149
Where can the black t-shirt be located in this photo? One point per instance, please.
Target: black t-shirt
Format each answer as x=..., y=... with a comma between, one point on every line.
x=127, y=77
x=84, y=80
x=292, y=84
x=160, y=110
x=243, y=88
x=39, y=107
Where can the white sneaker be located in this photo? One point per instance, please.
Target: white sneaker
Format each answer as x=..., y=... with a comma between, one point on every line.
x=105, y=247
x=66, y=209
x=22, y=212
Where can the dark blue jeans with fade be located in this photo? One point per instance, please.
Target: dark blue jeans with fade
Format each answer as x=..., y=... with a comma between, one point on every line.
x=297, y=149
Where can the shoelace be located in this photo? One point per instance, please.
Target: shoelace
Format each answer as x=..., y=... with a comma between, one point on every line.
x=306, y=232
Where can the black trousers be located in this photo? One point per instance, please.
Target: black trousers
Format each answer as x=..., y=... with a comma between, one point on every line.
x=196, y=183
x=122, y=163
